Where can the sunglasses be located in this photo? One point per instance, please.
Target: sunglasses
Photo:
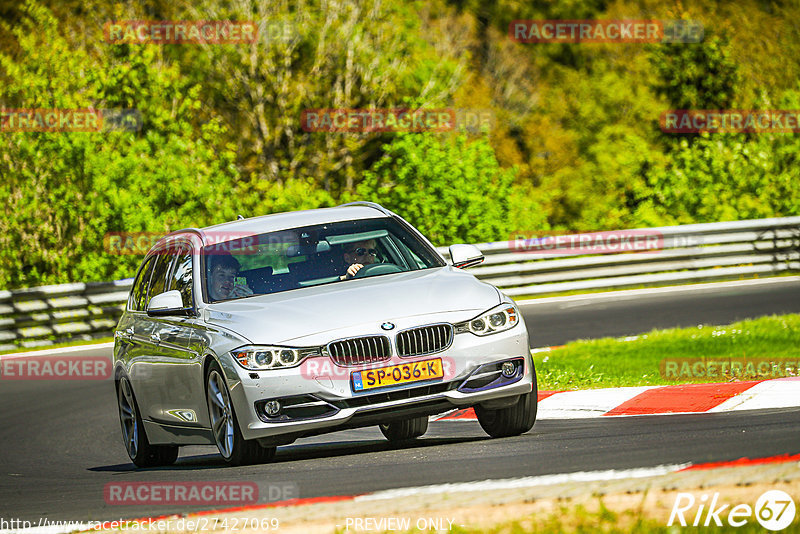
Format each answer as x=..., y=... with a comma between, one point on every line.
x=360, y=251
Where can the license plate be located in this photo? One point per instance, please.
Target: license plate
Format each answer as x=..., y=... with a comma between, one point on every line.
x=398, y=374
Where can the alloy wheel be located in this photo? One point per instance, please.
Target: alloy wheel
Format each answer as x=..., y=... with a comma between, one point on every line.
x=128, y=419
x=221, y=412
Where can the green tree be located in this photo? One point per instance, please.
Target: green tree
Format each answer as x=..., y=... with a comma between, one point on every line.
x=319, y=54
x=697, y=75
x=724, y=176
x=451, y=189
x=62, y=192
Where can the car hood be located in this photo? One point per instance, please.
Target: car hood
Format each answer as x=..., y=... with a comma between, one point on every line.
x=343, y=306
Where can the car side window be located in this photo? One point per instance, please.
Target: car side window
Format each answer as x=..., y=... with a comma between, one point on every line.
x=139, y=290
x=181, y=278
x=158, y=280
x=419, y=264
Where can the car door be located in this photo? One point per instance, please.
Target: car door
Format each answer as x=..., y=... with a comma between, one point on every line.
x=148, y=370
x=133, y=333
x=178, y=394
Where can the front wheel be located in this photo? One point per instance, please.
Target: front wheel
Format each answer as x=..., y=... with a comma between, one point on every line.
x=235, y=450
x=140, y=451
x=405, y=430
x=511, y=421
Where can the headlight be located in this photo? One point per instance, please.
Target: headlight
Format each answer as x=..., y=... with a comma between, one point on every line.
x=258, y=358
x=498, y=319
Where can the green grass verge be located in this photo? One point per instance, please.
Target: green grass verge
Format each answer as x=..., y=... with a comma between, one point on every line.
x=88, y=343
x=745, y=350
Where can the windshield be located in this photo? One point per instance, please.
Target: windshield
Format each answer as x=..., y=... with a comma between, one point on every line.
x=311, y=255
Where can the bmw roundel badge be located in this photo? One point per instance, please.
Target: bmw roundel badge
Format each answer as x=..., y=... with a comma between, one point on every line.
x=387, y=325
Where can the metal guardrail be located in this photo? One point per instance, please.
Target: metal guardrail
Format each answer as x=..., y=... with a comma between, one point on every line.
x=689, y=253
x=43, y=315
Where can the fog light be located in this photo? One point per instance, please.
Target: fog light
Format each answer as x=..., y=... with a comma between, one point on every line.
x=508, y=369
x=272, y=408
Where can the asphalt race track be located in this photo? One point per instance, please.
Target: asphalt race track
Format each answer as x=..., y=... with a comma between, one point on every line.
x=60, y=440
x=61, y=445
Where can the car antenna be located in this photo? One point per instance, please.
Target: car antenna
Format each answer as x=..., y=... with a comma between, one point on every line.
x=239, y=217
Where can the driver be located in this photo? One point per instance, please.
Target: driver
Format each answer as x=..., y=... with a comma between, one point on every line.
x=357, y=255
x=222, y=286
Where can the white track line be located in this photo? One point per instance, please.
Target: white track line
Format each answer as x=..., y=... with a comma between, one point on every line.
x=62, y=528
x=524, y=482
x=61, y=350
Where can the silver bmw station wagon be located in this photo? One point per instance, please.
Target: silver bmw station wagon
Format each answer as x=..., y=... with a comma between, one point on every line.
x=250, y=334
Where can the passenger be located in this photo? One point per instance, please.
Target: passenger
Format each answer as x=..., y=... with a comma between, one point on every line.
x=222, y=279
x=357, y=255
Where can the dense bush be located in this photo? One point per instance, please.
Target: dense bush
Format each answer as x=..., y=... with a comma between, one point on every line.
x=452, y=188
x=62, y=192
x=574, y=144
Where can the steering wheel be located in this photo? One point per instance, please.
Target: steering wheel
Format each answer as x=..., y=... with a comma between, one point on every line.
x=375, y=269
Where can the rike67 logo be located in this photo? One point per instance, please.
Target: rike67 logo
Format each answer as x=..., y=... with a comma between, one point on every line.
x=774, y=510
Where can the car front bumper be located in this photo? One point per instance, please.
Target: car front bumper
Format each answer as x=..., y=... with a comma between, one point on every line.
x=325, y=391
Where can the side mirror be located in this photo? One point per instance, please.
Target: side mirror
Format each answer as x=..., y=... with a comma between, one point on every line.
x=464, y=256
x=169, y=303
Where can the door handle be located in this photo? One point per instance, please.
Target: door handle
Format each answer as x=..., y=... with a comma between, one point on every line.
x=124, y=334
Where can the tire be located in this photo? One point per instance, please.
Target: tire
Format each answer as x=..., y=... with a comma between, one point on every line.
x=511, y=421
x=405, y=430
x=139, y=449
x=235, y=450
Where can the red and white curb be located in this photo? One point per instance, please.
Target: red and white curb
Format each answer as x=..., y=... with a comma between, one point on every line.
x=660, y=400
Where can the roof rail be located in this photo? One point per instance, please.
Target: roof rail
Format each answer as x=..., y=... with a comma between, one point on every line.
x=364, y=203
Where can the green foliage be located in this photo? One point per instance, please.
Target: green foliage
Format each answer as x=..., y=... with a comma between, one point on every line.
x=697, y=75
x=724, y=177
x=575, y=143
x=63, y=191
x=728, y=177
x=350, y=54
x=451, y=189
